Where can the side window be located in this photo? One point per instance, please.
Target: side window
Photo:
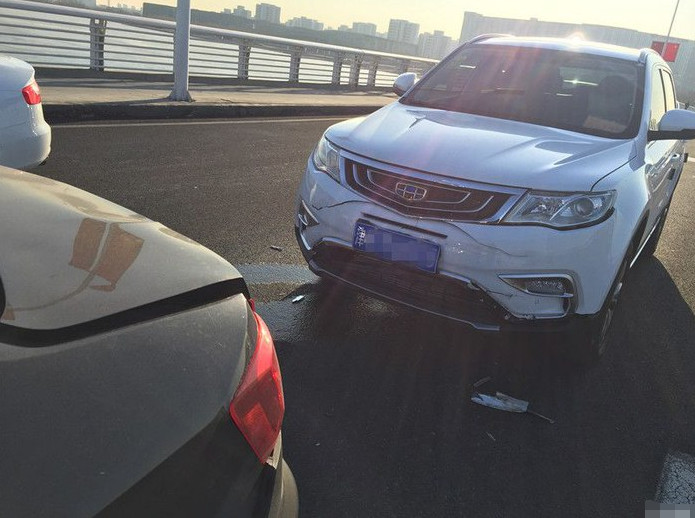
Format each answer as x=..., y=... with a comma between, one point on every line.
x=670, y=91
x=658, y=102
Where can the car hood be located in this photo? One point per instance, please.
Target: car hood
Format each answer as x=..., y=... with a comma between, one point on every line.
x=482, y=149
x=69, y=257
x=15, y=73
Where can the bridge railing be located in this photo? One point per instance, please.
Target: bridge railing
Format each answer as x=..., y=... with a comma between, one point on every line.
x=48, y=35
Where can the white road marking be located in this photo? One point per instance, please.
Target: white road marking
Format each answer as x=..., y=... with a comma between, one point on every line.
x=677, y=484
x=270, y=273
x=194, y=123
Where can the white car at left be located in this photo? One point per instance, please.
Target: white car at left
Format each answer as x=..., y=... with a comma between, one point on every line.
x=25, y=137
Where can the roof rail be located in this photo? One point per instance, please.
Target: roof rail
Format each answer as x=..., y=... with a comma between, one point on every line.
x=482, y=37
x=645, y=52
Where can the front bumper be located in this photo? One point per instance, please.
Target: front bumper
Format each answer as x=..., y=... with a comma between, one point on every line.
x=452, y=298
x=467, y=285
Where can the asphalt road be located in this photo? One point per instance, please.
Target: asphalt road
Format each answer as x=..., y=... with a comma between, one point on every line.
x=379, y=420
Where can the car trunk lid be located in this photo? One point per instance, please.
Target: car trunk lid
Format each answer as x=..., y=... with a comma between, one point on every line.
x=69, y=257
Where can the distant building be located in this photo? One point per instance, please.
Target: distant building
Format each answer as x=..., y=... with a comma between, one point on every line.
x=91, y=4
x=333, y=37
x=267, y=13
x=122, y=8
x=305, y=23
x=344, y=28
x=224, y=20
x=683, y=65
x=364, y=28
x=241, y=11
x=434, y=46
x=403, y=30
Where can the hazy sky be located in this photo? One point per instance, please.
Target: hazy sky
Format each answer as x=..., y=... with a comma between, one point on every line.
x=653, y=16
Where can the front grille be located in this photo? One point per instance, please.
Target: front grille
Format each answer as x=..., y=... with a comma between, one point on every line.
x=425, y=198
x=438, y=294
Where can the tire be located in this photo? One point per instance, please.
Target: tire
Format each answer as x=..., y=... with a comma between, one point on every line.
x=650, y=247
x=589, y=342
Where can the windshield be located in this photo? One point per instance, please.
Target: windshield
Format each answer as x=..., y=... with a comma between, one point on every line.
x=585, y=93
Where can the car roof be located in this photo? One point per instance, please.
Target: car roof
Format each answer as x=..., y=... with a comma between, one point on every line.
x=568, y=44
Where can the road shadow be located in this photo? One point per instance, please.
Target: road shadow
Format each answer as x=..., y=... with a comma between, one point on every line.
x=380, y=420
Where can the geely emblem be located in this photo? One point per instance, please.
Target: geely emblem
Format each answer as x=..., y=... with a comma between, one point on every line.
x=410, y=192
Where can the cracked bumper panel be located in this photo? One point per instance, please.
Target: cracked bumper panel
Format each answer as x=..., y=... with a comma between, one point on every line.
x=480, y=253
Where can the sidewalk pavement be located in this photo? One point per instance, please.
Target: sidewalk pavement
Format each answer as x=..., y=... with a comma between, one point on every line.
x=88, y=99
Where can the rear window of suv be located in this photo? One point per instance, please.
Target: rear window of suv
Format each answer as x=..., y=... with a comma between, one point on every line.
x=587, y=93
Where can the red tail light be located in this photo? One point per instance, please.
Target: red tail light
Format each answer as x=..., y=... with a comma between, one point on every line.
x=258, y=405
x=31, y=93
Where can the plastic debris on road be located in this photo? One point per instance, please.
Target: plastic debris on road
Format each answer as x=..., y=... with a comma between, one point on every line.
x=298, y=298
x=276, y=248
x=507, y=403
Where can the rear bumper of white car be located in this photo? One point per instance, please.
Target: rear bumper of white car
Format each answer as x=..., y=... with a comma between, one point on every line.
x=468, y=284
x=27, y=144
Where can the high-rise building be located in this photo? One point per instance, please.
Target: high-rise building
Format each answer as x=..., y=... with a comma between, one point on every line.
x=403, y=30
x=268, y=13
x=434, y=46
x=364, y=28
x=305, y=23
x=240, y=10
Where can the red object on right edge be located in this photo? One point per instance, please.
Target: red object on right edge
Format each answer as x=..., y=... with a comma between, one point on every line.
x=671, y=50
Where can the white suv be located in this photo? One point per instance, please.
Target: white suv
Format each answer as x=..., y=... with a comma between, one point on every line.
x=513, y=186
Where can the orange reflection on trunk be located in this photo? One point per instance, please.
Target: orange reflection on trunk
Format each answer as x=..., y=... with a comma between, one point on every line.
x=110, y=260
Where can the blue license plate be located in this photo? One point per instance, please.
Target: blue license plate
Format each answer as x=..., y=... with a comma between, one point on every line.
x=396, y=247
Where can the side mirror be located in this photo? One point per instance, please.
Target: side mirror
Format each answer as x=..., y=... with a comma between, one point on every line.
x=675, y=125
x=403, y=83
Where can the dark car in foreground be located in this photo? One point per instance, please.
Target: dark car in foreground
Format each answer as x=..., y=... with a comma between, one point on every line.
x=136, y=378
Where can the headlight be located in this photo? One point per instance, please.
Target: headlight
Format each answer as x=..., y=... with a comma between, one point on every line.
x=562, y=210
x=327, y=159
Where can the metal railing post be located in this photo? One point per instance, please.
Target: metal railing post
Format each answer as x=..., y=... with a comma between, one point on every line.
x=97, y=35
x=295, y=61
x=405, y=64
x=355, y=71
x=337, y=69
x=373, y=69
x=244, y=59
x=182, y=40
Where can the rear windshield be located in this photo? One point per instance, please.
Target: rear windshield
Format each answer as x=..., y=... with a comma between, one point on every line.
x=580, y=92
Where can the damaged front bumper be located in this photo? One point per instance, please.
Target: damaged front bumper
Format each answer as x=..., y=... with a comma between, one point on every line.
x=457, y=299
x=471, y=283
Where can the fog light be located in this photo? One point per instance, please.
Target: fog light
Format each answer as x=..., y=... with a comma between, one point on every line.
x=546, y=286
x=555, y=286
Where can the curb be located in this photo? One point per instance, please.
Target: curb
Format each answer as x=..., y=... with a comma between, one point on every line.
x=63, y=113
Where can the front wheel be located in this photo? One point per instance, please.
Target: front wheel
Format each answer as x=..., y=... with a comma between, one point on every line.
x=589, y=343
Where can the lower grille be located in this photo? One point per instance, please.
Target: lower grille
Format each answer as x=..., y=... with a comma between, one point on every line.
x=437, y=294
